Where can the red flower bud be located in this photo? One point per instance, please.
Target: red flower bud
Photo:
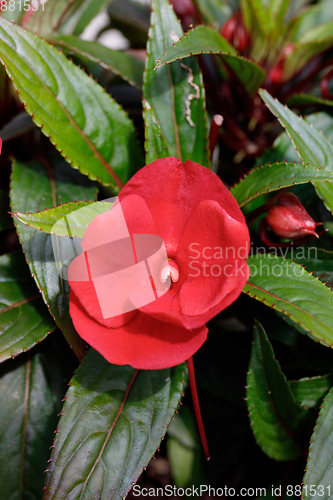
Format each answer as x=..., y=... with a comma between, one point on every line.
x=289, y=219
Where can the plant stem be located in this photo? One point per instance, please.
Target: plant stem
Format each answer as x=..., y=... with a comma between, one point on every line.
x=193, y=385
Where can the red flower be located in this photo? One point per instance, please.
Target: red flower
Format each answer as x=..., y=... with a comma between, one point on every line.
x=207, y=242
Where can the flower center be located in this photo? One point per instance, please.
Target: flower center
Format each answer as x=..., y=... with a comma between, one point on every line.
x=169, y=268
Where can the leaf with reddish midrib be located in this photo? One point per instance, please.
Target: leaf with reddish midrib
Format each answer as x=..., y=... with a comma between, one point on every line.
x=205, y=40
x=174, y=94
x=273, y=411
x=34, y=186
x=285, y=286
x=85, y=124
x=267, y=178
x=113, y=420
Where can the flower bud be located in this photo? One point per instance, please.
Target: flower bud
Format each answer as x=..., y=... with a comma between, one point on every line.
x=289, y=219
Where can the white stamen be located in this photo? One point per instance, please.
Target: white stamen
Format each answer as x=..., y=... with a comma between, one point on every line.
x=169, y=268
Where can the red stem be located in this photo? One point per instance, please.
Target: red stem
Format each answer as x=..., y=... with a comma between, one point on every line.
x=193, y=385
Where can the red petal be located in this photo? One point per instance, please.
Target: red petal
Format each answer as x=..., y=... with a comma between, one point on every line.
x=172, y=190
x=144, y=343
x=86, y=295
x=207, y=285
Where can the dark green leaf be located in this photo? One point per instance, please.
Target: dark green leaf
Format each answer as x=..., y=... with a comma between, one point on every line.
x=273, y=411
x=122, y=64
x=35, y=185
x=317, y=261
x=269, y=178
x=175, y=92
x=308, y=100
x=318, y=478
x=205, y=40
x=89, y=128
x=288, y=288
x=71, y=219
x=113, y=420
x=309, y=392
x=28, y=417
x=312, y=146
x=24, y=318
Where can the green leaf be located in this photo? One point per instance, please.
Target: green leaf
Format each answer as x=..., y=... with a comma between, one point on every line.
x=35, y=185
x=308, y=100
x=113, y=420
x=89, y=128
x=24, y=318
x=312, y=146
x=155, y=145
x=213, y=12
x=119, y=62
x=288, y=288
x=175, y=93
x=66, y=16
x=267, y=178
x=5, y=218
x=205, y=40
x=56, y=220
x=318, y=479
x=274, y=414
x=28, y=417
x=317, y=261
x=309, y=392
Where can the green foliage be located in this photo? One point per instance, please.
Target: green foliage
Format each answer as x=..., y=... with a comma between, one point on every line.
x=120, y=63
x=175, y=93
x=31, y=389
x=273, y=411
x=114, y=417
x=113, y=420
x=80, y=120
x=268, y=178
x=318, y=477
x=297, y=294
x=58, y=183
x=25, y=320
x=66, y=16
x=205, y=40
x=309, y=392
x=311, y=145
x=56, y=221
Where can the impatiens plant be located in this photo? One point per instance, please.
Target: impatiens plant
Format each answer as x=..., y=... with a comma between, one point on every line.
x=162, y=237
